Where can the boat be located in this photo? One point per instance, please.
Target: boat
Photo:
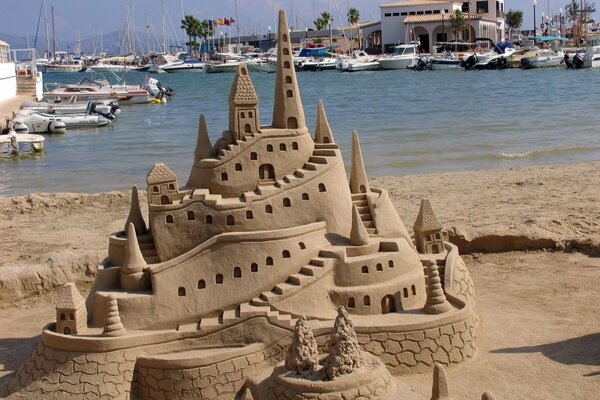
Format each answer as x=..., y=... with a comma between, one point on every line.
x=15, y=141
x=114, y=64
x=403, y=57
x=360, y=61
x=450, y=55
x=592, y=52
x=38, y=123
x=74, y=107
x=88, y=89
x=184, y=65
x=38, y=120
x=487, y=55
x=316, y=59
x=266, y=62
x=65, y=64
x=550, y=53
x=224, y=62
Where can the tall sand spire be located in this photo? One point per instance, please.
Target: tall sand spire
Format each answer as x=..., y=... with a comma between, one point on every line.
x=287, y=108
x=135, y=214
x=439, y=390
x=323, y=132
x=204, y=148
x=359, y=235
x=134, y=260
x=359, y=183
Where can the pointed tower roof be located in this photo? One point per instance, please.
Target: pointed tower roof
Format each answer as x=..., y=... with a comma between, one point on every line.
x=70, y=298
x=135, y=213
x=160, y=173
x=488, y=396
x=358, y=235
x=242, y=89
x=323, y=132
x=287, y=104
x=204, y=148
x=439, y=391
x=358, y=174
x=426, y=220
x=134, y=260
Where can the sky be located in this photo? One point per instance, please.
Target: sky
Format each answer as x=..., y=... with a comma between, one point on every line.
x=86, y=18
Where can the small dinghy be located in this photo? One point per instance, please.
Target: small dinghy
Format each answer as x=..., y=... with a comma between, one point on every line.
x=107, y=108
x=15, y=141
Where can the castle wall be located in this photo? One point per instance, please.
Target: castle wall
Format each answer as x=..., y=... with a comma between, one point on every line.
x=239, y=170
x=324, y=196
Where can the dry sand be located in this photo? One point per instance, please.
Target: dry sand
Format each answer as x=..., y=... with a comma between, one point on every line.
x=540, y=326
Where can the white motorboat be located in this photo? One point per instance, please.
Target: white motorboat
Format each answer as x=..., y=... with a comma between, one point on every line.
x=449, y=55
x=88, y=89
x=38, y=123
x=403, y=57
x=42, y=122
x=592, y=52
x=73, y=107
x=228, y=66
x=360, y=61
x=183, y=66
x=15, y=141
x=114, y=64
x=550, y=55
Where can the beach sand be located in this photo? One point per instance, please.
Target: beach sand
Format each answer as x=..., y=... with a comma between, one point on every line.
x=539, y=336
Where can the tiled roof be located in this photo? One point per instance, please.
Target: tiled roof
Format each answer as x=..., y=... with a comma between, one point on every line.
x=415, y=19
x=426, y=220
x=70, y=299
x=160, y=173
x=414, y=3
x=242, y=90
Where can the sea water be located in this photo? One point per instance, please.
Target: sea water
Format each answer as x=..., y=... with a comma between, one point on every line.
x=409, y=122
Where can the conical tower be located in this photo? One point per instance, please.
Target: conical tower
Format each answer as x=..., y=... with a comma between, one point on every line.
x=439, y=390
x=135, y=214
x=358, y=235
x=113, y=325
x=287, y=108
x=488, y=396
x=243, y=105
x=436, y=299
x=429, y=236
x=134, y=260
x=204, y=147
x=323, y=133
x=359, y=182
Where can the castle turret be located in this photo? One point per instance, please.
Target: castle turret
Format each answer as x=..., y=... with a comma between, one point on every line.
x=162, y=185
x=287, y=108
x=439, y=390
x=71, y=314
x=323, y=133
x=359, y=183
x=204, y=147
x=135, y=213
x=132, y=271
x=428, y=230
x=243, y=105
x=436, y=299
x=113, y=325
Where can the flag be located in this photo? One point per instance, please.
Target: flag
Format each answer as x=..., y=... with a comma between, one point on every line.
x=220, y=22
x=232, y=21
x=227, y=22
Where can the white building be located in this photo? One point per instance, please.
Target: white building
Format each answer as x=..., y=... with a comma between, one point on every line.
x=427, y=21
x=8, y=77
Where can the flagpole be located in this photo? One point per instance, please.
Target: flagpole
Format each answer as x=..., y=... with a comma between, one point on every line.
x=237, y=21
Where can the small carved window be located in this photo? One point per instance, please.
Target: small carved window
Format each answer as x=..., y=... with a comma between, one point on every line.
x=286, y=64
x=288, y=79
x=286, y=51
x=62, y=317
x=224, y=176
x=155, y=189
x=322, y=187
x=71, y=316
x=282, y=147
x=201, y=284
x=270, y=148
x=253, y=156
x=209, y=219
x=294, y=145
x=249, y=215
x=219, y=279
x=229, y=220
x=269, y=261
x=169, y=219
x=305, y=196
x=289, y=93
x=238, y=167
x=243, y=114
x=379, y=267
x=250, y=114
x=287, y=202
x=351, y=303
x=365, y=269
x=191, y=216
x=366, y=301
x=254, y=267
x=405, y=292
x=237, y=272
x=269, y=209
x=391, y=263
x=302, y=246
x=171, y=186
x=286, y=254
x=413, y=289
x=181, y=291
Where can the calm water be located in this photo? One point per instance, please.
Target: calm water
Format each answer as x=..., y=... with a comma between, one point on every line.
x=408, y=122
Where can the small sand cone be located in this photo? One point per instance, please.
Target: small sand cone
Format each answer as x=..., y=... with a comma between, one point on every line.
x=358, y=235
x=488, y=396
x=135, y=213
x=436, y=299
x=439, y=390
x=247, y=395
x=134, y=259
x=112, y=325
x=303, y=353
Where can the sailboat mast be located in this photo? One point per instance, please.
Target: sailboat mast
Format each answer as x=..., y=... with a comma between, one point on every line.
x=53, y=37
x=164, y=28
x=237, y=24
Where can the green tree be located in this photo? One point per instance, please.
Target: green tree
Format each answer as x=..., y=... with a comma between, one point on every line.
x=205, y=31
x=188, y=24
x=353, y=18
x=514, y=20
x=579, y=16
x=323, y=20
x=458, y=22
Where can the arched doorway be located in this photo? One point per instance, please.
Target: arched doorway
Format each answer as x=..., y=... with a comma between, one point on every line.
x=266, y=171
x=388, y=304
x=165, y=200
x=422, y=36
x=66, y=330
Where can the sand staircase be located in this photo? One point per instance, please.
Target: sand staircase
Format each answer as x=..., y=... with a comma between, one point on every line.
x=261, y=306
x=148, y=248
x=362, y=204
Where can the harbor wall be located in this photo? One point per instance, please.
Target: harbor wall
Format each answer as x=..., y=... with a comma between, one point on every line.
x=8, y=81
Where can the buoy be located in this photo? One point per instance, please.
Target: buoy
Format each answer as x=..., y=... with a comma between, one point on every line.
x=163, y=100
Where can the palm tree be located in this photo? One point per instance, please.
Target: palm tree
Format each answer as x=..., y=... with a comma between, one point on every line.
x=190, y=24
x=457, y=23
x=353, y=18
x=323, y=20
x=205, y=31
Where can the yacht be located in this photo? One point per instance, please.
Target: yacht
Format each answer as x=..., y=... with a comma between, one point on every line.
x=88, y=89
x=184, y=65
x=592, y=52
x=550, y=53
x=450, y=55
x=64, y=63
x=224, y=62
x=403, y=57
x=360, y=61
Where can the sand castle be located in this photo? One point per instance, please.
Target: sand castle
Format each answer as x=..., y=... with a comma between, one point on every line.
x=267, y=229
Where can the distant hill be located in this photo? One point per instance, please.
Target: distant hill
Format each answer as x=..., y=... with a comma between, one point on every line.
x=110, y=43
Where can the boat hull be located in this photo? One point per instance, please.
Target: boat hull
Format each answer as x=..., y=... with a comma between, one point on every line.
x=397, y=63
x=444, y=64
